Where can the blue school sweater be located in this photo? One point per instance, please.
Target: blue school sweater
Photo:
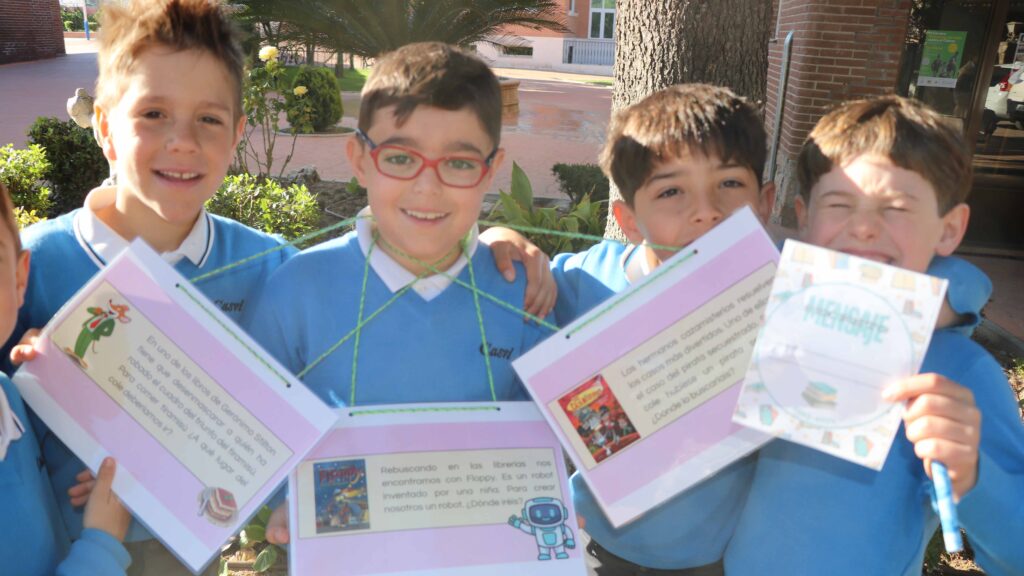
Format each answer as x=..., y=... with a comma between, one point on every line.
x=34, y=542
x=62, y=262
x=414, y=350
x=811, y=513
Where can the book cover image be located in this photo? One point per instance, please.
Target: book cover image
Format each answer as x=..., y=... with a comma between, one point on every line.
x=598, y=418
x=341, y=499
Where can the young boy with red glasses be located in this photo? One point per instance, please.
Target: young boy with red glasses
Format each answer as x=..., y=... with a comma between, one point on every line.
x=387, y=313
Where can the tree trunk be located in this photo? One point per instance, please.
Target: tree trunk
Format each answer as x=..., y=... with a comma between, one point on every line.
x=659, y=43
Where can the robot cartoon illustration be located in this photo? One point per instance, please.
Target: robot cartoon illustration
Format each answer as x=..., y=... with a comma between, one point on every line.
x=545, y=518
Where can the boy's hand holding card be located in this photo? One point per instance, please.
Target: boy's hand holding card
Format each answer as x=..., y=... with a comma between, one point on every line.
x=838, y=329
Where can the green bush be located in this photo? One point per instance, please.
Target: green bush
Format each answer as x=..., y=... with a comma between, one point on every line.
x=265, y=205
x=515, y=209
x=324, y=94
x=76, y=162
x=73, y=22
x=579, y=180
x=24, y=172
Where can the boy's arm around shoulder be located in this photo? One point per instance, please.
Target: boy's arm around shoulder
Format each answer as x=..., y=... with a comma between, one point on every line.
x=992, y=512
x=566, y=269
x=968, y=292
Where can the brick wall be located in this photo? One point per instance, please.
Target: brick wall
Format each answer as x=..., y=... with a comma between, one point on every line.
x=30, y=30
x=842, y=49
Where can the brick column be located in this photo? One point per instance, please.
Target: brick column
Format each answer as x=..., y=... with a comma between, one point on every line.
x=842, y=50
x=30, y=30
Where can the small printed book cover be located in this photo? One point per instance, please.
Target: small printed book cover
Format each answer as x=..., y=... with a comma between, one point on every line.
x=837, y=330
x=341, y=498
x=598, y=418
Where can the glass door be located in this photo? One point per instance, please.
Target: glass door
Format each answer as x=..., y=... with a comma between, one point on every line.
x=962, y=58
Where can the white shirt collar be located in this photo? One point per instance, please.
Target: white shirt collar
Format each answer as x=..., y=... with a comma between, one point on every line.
x=103, y=244
x=396, y=277
x=11, y=427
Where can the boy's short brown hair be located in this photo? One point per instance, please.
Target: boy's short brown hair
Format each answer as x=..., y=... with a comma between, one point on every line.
x=7, y=214
x=432, y=74
x=910, y=134
x=175, y=24
x=695, y=118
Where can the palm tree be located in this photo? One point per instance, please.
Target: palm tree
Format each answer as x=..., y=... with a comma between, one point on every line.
x=369, y=28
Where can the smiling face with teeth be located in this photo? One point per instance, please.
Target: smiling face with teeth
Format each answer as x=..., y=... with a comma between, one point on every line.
x=171, y=136
x=874, y=209
x=423, y=217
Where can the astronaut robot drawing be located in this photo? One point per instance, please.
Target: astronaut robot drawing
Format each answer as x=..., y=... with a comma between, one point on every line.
x=545, y=519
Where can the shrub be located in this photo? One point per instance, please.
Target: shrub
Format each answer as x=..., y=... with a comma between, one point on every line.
x=264, y=204
x=579, y=180
x=26, y=218
x=515, y=209
x=23, y=172
x=265, y=94
x=72, y=20
x=324, y=93
x=76, y=162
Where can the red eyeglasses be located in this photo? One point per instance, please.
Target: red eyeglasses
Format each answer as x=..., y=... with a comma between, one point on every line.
x=403, y=163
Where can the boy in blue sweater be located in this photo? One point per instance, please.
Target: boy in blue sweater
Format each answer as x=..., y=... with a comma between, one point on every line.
x=169, y=115
x=395, y=292
x=35, y=542
x=684, y=158
x=387, y=314
x=886, y=179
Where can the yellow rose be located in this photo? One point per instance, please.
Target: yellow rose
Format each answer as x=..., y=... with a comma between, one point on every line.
x=300, y=90
x=268, y=53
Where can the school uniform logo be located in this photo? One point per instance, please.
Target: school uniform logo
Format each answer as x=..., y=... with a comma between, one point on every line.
x=498, y=351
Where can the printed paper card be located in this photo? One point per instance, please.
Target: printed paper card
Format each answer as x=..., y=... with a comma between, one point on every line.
x=838, y=329
x=439, y=489
x=641, y=390
x=204, y=425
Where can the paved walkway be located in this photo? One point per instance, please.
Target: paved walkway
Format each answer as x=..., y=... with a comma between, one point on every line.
x=562, y=118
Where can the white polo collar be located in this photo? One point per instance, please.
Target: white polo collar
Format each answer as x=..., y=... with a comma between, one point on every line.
x=102, y=244
x=11, y=427
x=396, y=277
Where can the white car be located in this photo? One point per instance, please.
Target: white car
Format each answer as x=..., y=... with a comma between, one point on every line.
x=1005, y=97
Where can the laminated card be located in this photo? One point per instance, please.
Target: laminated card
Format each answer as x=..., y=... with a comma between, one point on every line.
x=641, y=390
x=139, y=365
x=438, y=489
x=838, y=329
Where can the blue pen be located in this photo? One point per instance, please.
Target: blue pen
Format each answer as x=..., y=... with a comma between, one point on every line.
x=947, y=508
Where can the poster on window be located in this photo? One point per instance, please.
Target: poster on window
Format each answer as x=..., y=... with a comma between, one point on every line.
x=940, y=61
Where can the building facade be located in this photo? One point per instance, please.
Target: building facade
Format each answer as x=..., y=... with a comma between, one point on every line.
x=30, y=30
x=588, y=47
x=959, y=56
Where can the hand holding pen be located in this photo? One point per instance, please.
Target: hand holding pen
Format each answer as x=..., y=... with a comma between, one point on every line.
x=944, y=425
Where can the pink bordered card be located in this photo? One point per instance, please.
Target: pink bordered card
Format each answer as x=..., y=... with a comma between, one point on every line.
x=439, y=489
x=139, y=365
x=641, y=389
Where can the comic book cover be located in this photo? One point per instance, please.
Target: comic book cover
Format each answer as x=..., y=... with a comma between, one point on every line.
x=598, y=418
x=341, y=498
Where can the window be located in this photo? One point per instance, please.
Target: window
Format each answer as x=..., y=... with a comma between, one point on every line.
x=602, y=19
x=517, y=50
x=572, y=7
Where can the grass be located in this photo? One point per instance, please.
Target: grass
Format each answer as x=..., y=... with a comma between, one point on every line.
x=352, y=81
x=601, y=82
